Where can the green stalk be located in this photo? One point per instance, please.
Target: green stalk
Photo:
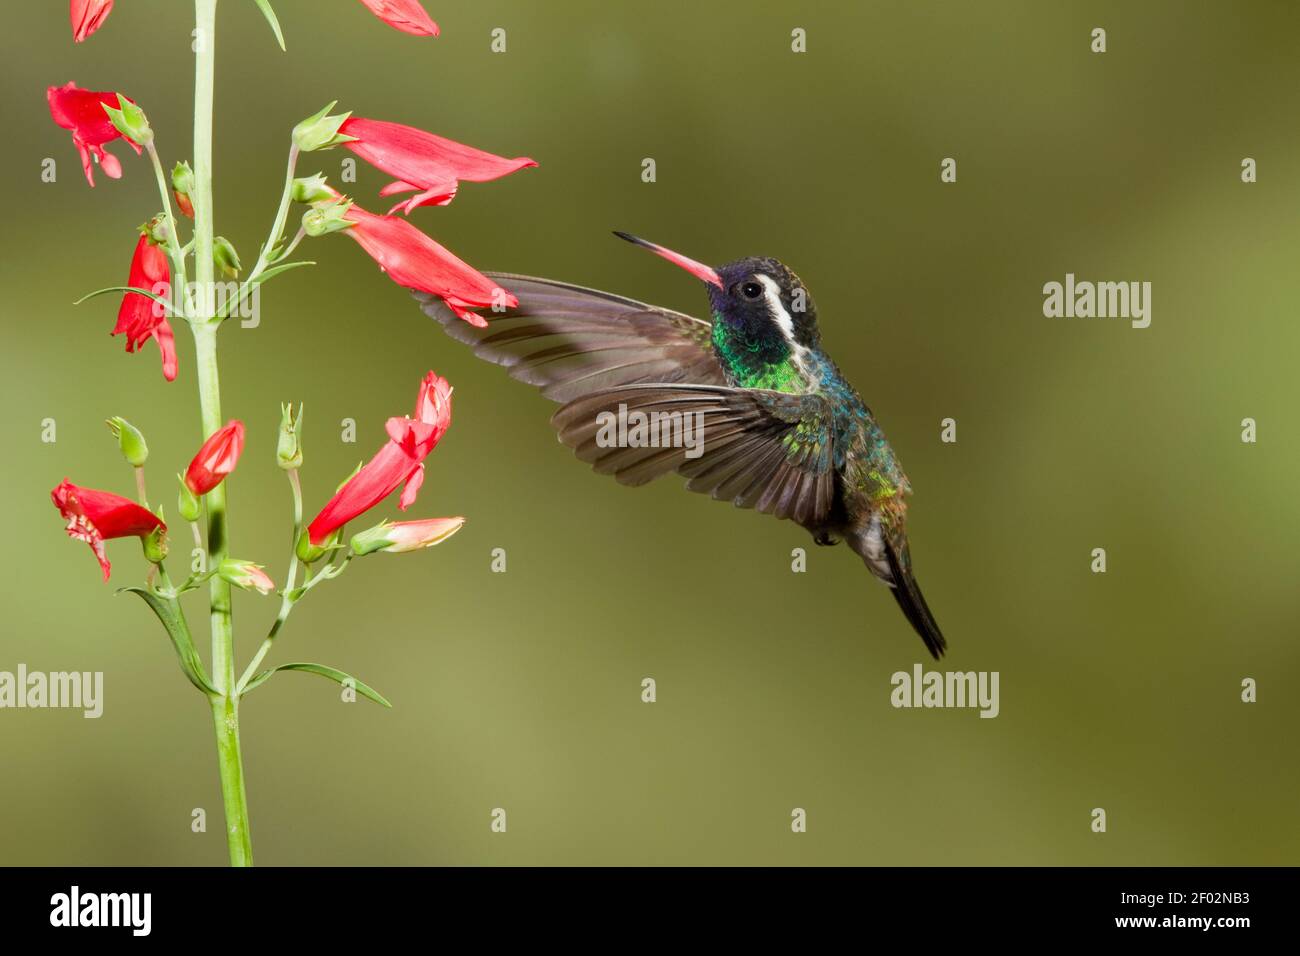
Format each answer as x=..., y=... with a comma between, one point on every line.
x=174, y=250
x=225, y=703
x=286, y=602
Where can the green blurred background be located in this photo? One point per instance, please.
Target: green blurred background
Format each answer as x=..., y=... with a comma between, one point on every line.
x=522, y=690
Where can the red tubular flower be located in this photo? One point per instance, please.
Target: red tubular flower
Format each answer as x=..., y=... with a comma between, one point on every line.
x=405, y=15
x=95, y=516
x=420, y=161
x=88, y=16
x=140, y=318
x=216, y=459
x=412, y=259
x=401, y=460
x=82, y=112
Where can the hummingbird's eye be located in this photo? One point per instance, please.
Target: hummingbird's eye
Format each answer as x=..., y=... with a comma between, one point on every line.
x=751, y=290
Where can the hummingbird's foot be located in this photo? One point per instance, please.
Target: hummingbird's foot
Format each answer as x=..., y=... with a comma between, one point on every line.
x=825, y=539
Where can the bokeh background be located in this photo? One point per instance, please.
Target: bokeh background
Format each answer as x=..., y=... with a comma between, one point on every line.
x=522, y=690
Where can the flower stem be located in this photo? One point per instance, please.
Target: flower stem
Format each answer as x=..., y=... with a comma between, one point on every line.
x=286, y=602
x=139, y=486
x=225, y=703
x=281, y=217
x=174, y=250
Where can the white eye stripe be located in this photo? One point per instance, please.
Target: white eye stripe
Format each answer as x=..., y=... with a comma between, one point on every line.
x=772, y=295
x=784, y=322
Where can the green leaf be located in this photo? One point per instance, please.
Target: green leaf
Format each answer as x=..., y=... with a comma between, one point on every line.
x=265, y=7
x=169, y=613
x=332, y=673
x=270, y=273
x=274, y=271
x=123, y=288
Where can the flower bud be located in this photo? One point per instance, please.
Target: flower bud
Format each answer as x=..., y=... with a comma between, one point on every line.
x=158, y=229
x=309, y=553
x=288, y=450
x=187, y=502
x=155, y=545
x=321, y=131
x=310, y=189
x=129, y=439
x=225, y=257
x=216, y=459
x=129, y=120
x=246, y=575
x=403, y=536
x=326, y=218
x=183, y=187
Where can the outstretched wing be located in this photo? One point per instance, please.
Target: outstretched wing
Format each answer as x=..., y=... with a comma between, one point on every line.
x=756, y=448
x=570, y=341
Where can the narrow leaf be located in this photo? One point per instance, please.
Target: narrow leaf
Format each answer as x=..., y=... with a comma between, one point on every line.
x=274, y=271
x=270, y=273
x=170, y=615
x=123, y=288
x=265, y=7
x=332, y=673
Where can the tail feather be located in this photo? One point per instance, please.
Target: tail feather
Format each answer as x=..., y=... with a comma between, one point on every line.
x=908, y=595
x=886, y=556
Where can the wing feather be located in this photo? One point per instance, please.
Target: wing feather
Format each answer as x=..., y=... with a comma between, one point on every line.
x=570, y=341
x=753, y=444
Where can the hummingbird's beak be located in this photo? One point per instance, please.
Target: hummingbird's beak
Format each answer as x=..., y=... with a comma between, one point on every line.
x=697, y=269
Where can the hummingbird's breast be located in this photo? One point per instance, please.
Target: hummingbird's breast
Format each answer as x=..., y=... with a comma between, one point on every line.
x=870, y=472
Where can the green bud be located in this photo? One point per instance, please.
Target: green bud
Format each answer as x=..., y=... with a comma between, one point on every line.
x=158, y=229
x=225, y=256
x=183, y=177
x=326, y=218
x=129, y=439
x=309, y=553
x=310, y=189
x=371, y=540
x=155, y=546
x=187, y=503
x=129, y=120
x=183, y=187
x=246, y=575
x=288, y=450
x=321, y=131
x=403, y=536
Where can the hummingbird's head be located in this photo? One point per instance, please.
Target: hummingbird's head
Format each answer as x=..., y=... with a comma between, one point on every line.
x=758, y=295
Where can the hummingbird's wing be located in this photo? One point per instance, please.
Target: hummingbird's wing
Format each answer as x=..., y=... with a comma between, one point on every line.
x=756, y=448
x=570, y=341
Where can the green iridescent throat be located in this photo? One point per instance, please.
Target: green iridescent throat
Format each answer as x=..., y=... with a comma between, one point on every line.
x=753, y=363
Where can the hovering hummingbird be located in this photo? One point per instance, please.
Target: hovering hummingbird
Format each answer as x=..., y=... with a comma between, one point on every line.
x=783, y=431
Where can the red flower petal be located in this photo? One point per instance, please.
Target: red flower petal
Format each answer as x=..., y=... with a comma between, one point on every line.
x=95, y=516
x=380, y=476
x=398, y=462
x=422, y=161
x=405, y=15
x=88, y=16
x=412, y=259
x=141, y=318
x=82, y=112
x=216, y=459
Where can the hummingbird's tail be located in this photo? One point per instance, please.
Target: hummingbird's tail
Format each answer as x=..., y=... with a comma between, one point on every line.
x=892, y=563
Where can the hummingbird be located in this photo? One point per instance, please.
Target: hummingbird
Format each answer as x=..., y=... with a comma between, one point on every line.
x=783, y=432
